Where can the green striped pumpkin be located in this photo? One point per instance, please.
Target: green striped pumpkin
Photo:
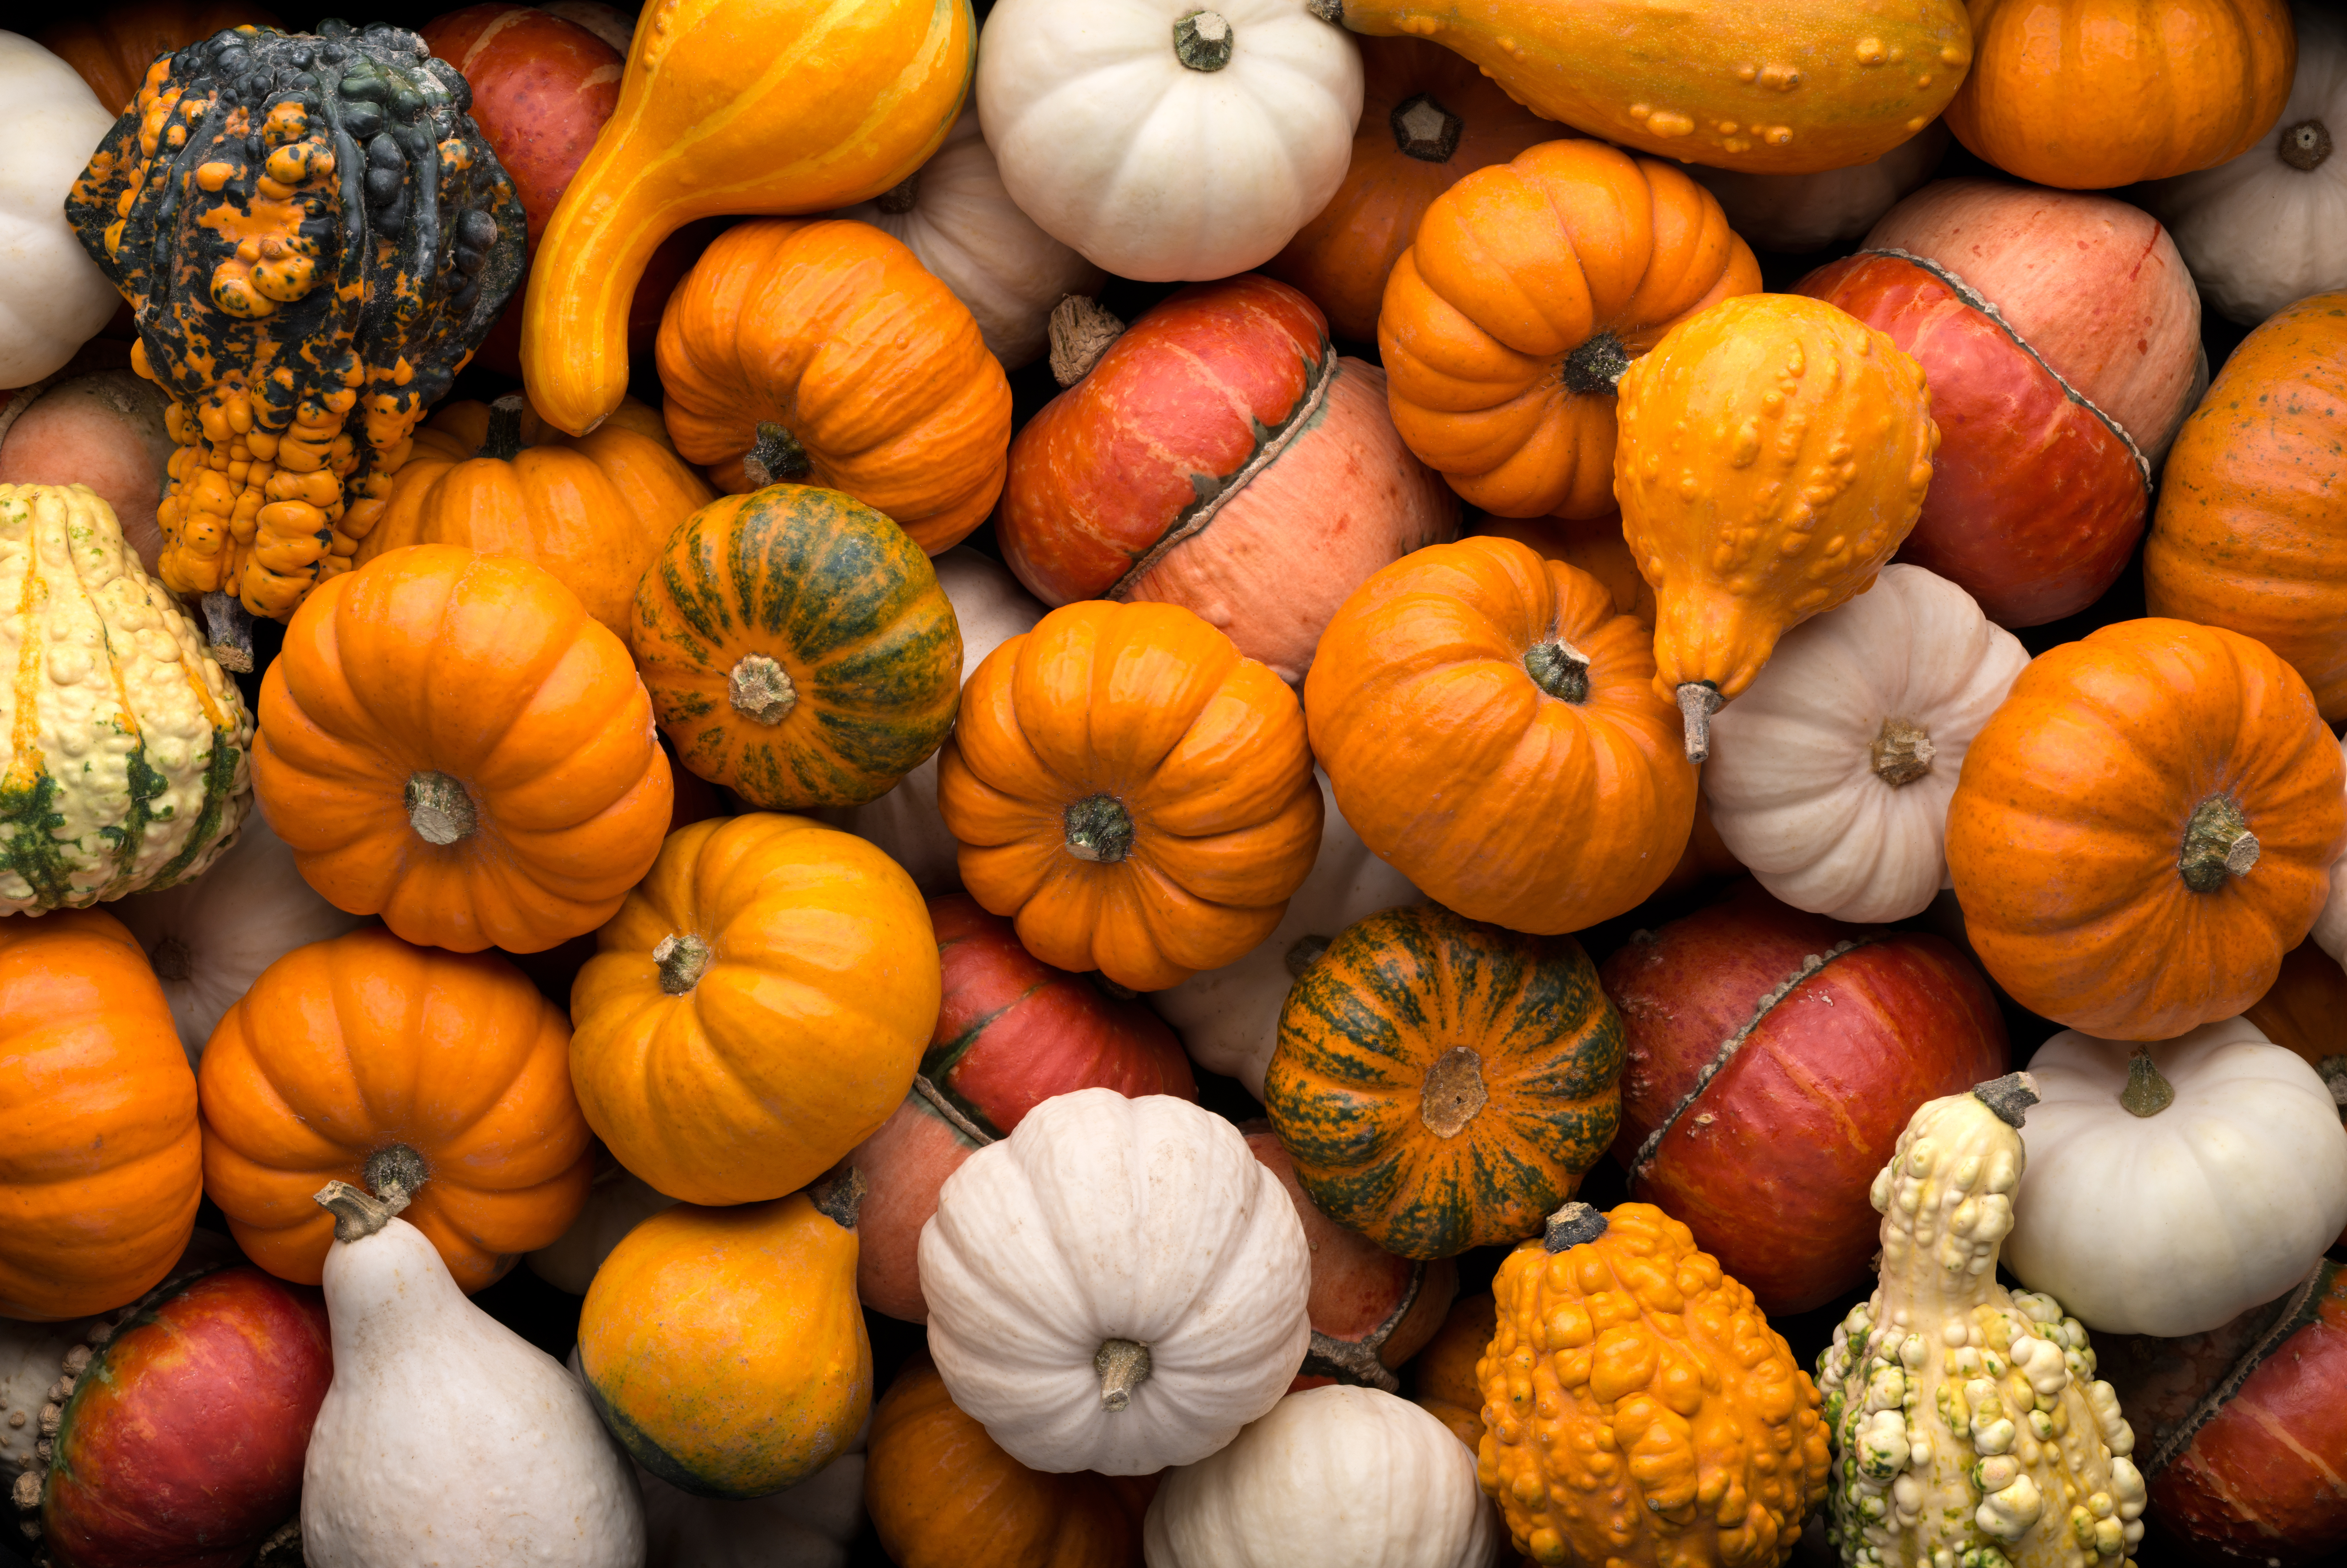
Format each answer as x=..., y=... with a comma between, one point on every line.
x=1443, y=1084
x=797, y=647
x=127, y=748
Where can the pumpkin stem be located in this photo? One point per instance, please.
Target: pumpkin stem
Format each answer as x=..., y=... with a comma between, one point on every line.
x=1303, y=953
x=230, y=627
x=2010, y=1096
x=1424, y=130
x=838, y=1194
x=1901, y=753
x=2304, y=146
x=1559, y=669
x=902, y=196
x=1098, y=830
x=1114, y=992
x=2147, y=1093
x=394, y=1173
x=1331, y=11
x=282, y=1548
x=1570, y=1227
x=1122, y=1365
x=171, y=960
x=1203, y=41
x=1698, y=701
x=2333, y=1070
x=775, y=457
x=503, y=441
x=761, y=690
x=1081, y=331
x=1596, y=365
x=2217, y=844
x=439, y=808
x=683, y=959
x=1453, y=1092
x=1359, y=1361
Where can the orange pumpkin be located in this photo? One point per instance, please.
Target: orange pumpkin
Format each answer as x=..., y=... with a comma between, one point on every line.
x=1133, y=791
x=1529, y=287
x=1488, y=724
x=824, y=353
x=100, y=1167
x=2303, y=1009
x=2145, y=827
x=1442, y=1377
x=449, y=739
x=366, y=1059
x=1594, y=545
x=112, y=49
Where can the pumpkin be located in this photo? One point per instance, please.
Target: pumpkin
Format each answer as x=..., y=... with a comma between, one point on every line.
x=2245, y=533
x=824, y=351
x=1441, y=1084
x=1966, y=1419
x=1011, y=1032
x=959, y=222
x=2302, y=1011
x=2170, y=1191
x=943, y=1494
x=1136, y=794
x=1707, y=1466
x=1218, y=455
x=1849, y=456
x=733, y=108
x=1443, y=1376
x=365, y=1056
x=1331, y=1478
x=100, y=1174
x=1427, y=117
x=112, y=49
x=127, y=745
x=1529, y=287
x=1831, y=775
x=1164, y=141
x=299, y=338
x=450, y=741
x=2199, y=80
x=55, y=299
x=754, y=1010
x=592, y=510
x=797, y=646
x=1803, y=212
x=106, y=430
x=1770, y=1058
x=1118, y=1285
x=1471, y=699
x=1593, y=545
x=617, y=1202
x=724, y=1347
x=2145, y=827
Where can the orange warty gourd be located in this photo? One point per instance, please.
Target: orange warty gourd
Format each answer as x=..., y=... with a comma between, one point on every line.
x=450, y=741
x=2085, y=95
x=1529, y=287
x=731, y=106
x=101, y=1170
x=1136, y=794
x=2145, y=827
x=368, y=1058
x=1490, y=725
x=1774, y=454
x=1638, y=1407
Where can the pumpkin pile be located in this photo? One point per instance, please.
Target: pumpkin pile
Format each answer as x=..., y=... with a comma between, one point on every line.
x=1142, y=784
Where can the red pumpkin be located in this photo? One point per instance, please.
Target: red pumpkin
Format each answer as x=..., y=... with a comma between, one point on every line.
x=1774, y=1058
x=105, y=429
x=1012, y=1031
x=1219, y=455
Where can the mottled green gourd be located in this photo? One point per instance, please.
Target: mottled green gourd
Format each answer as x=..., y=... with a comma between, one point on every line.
x=1969, y=1429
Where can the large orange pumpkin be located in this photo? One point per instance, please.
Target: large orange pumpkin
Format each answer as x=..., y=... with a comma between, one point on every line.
x=449, y=739
x=366, y=1059
x=1528, y=290
x=99, y=1163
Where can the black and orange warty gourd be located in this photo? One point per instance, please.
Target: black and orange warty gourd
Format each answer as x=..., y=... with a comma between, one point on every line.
x=307, y=227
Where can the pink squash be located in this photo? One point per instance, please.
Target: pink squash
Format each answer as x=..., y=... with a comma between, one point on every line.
x=105, y=430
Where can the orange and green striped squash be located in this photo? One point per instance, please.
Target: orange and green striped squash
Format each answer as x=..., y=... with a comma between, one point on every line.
x=797, y=647
x=1443, y=1084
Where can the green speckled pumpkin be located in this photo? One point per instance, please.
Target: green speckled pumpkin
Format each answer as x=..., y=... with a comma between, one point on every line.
x=797, y=647
x=1443, y=1084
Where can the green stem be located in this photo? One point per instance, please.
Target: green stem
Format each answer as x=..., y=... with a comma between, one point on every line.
x=2218, y=845
x=775, y=457
x=1559, y=669
x=1203, y=41
x=683, y=958
x=1596, y=365
x=2147, y=1093
x=1098, y=829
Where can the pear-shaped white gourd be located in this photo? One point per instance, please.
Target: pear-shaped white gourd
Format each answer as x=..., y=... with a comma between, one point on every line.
x=446, y=1441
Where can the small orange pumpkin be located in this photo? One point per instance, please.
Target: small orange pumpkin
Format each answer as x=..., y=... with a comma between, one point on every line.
x=1594, y=545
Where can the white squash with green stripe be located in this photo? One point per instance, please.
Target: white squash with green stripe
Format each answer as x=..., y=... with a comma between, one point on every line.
x=128, y=763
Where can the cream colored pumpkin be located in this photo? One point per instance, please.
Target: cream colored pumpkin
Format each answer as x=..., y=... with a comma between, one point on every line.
x=1119, y=1286
x=2329, y=931
x=53, y=298
x=1803, y=212
x=1829, y=778
x=2170, y=1216
x=1165, y=140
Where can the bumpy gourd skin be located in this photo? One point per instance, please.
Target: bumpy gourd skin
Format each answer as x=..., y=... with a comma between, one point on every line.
x=308, y=229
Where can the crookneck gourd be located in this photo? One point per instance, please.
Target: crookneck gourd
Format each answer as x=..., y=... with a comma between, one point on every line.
x=1968, y=1425
x=313, y=236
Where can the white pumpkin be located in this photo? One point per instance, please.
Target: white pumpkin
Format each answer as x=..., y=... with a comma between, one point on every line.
x=1164, y=141
x=617, y=1202
x=992, y=609
x=1830, y=777
x=2271, y=227
x=1229, y=1018
x=208, y=939
x=1332, y=1478
x=1119, y=1286
x=2329, y=931
x=1803, y=212
x=2169, y=1216
x=53, y=298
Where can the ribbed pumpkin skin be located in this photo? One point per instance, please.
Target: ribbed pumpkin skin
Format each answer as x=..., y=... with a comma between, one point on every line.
x=2067, y=827
x=847, y=605
x=101, y=1171
x=2085, y=95
x=111, y=51
x=2248, y=534
x=1593, y=545
x=344, y=1048
x=1513, y=270
x=1369, y=1069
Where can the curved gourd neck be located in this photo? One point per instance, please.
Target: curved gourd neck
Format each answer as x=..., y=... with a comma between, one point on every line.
x=1946, y=1201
